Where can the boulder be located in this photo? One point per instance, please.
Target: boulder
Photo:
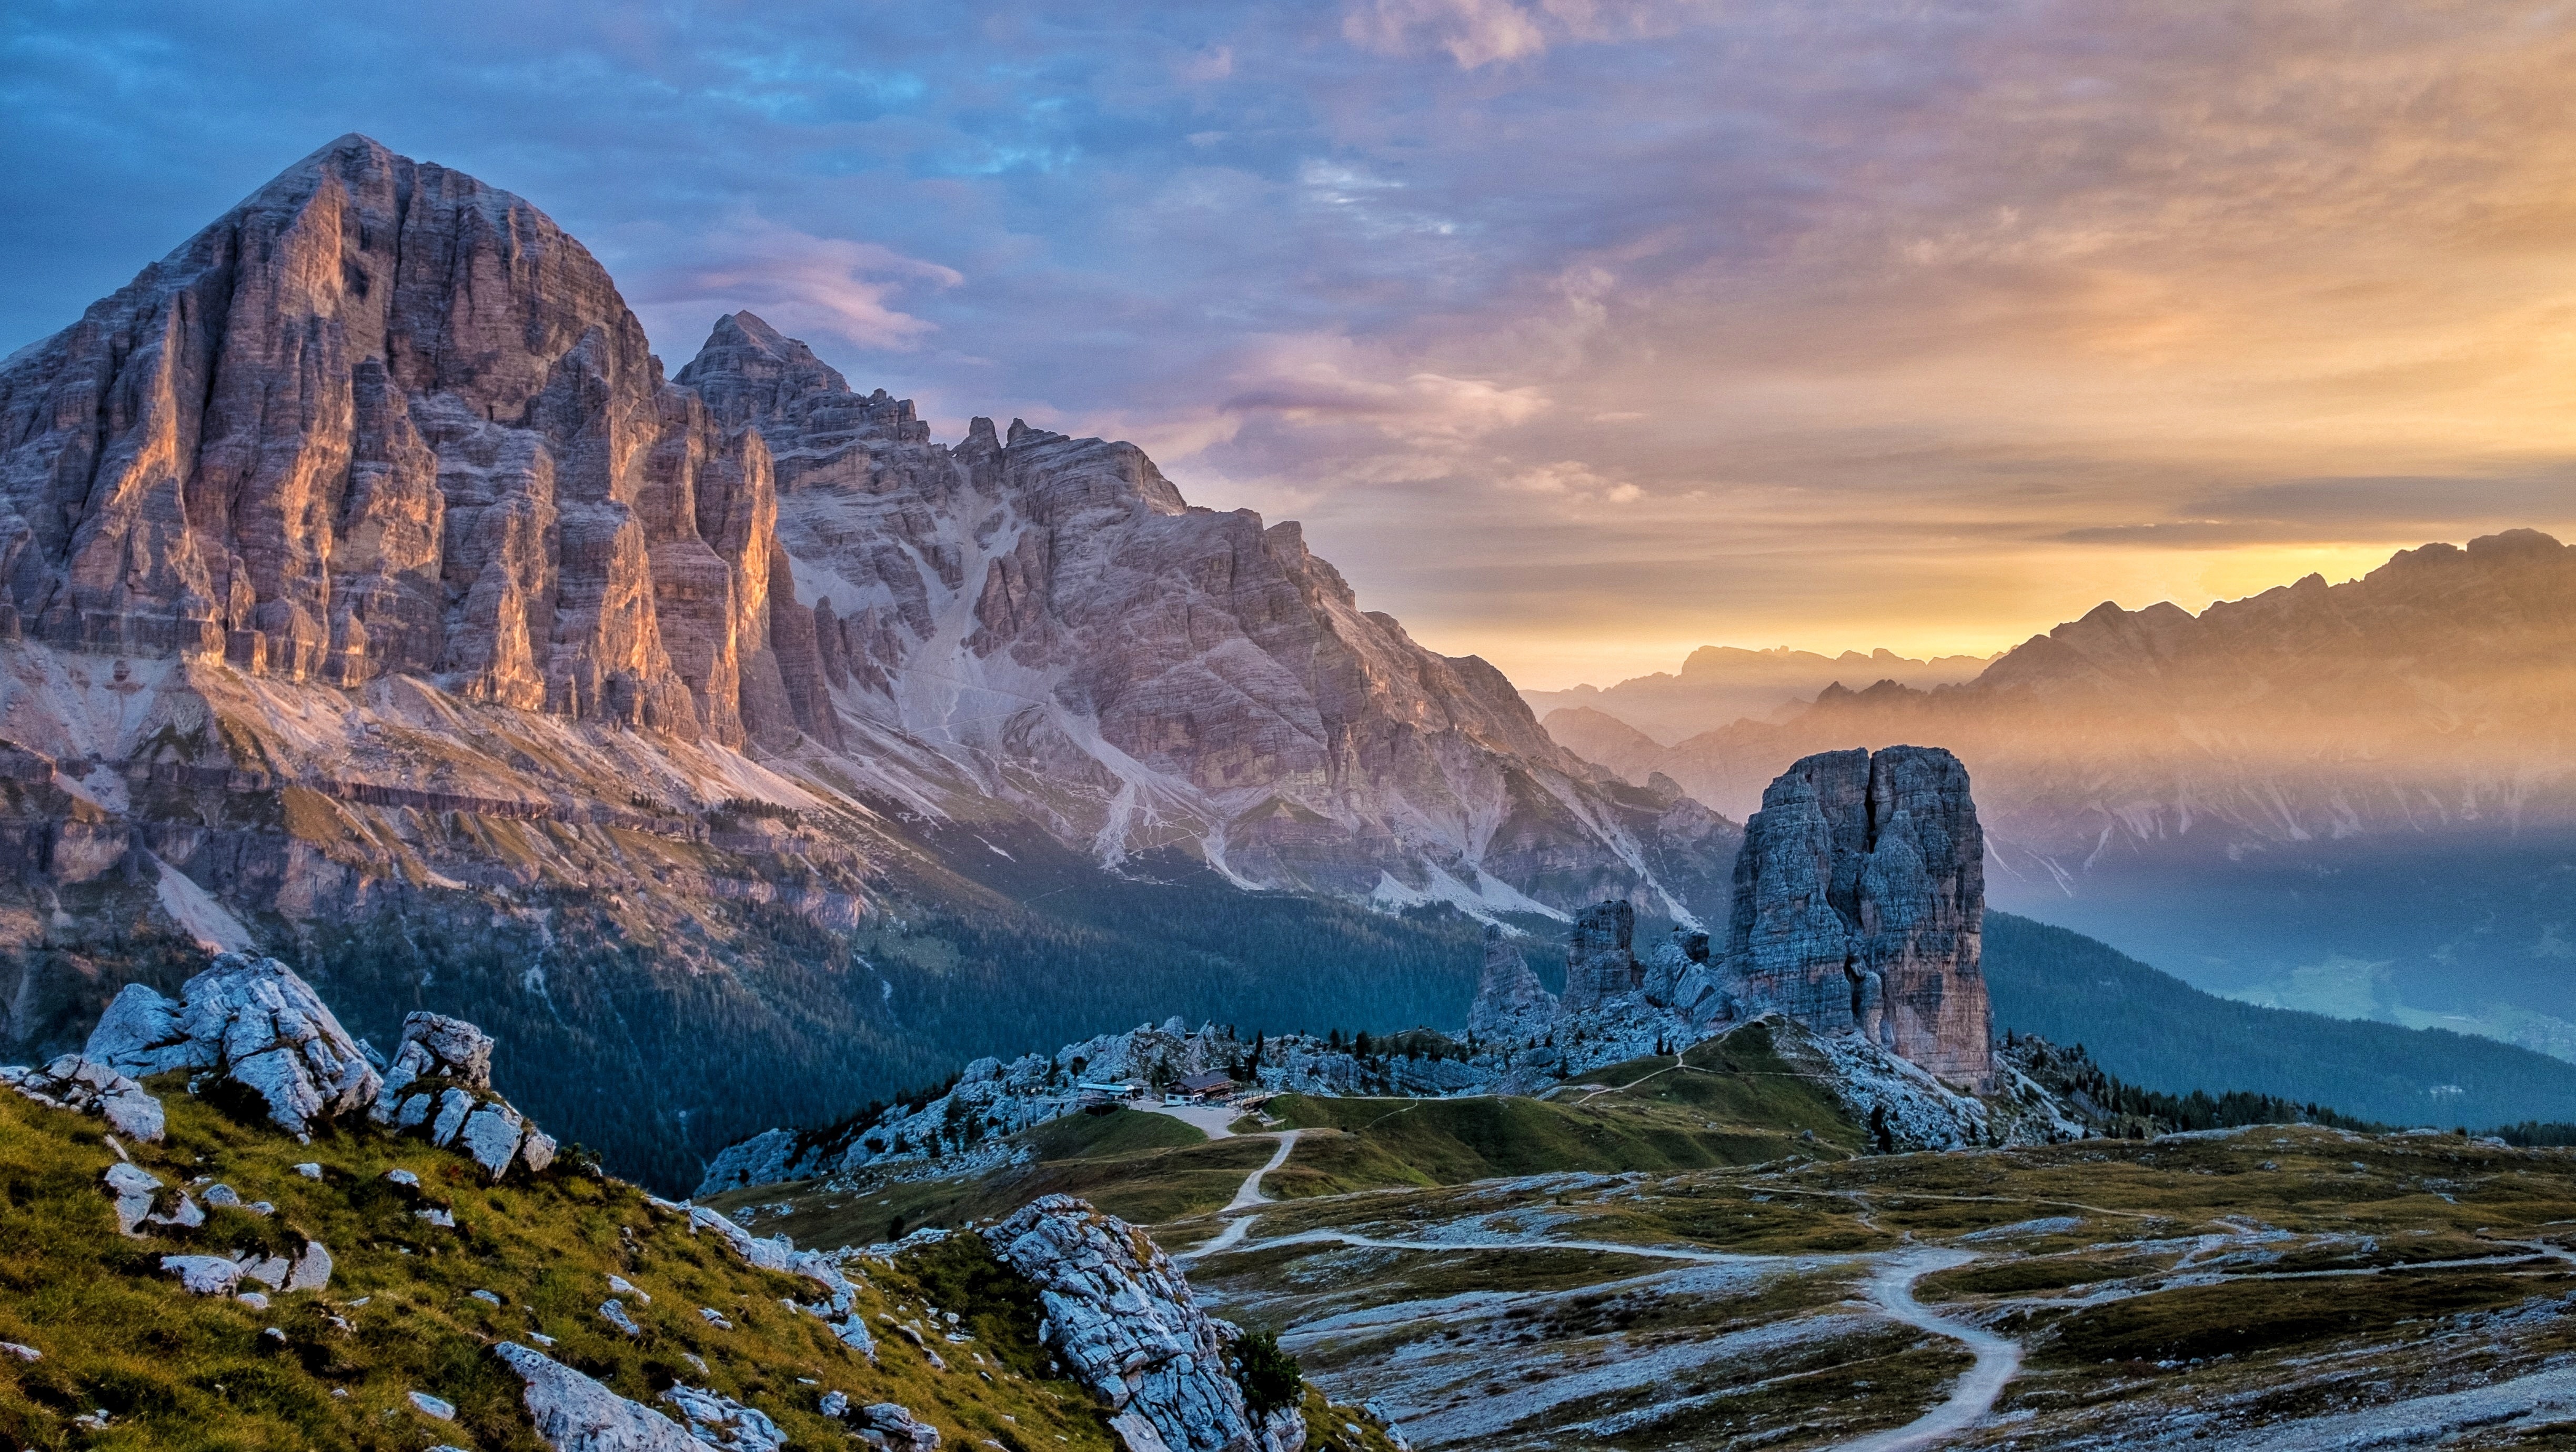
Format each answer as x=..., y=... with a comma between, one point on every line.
x=248, y=1020
x=1121, y=1316
x=720, y=1421
x=439, y=1084
x=205, y=1275
x=436, y=1046
x=133, y=1189
x=77, y=1083
x=573, y=1413
x=899, y=1428
x=1511, y=1006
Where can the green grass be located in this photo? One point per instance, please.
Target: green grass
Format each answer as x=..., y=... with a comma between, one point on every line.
x=1736, y=1100
x=1137, y=1165
x=180, y=1371
x=1119, y=1132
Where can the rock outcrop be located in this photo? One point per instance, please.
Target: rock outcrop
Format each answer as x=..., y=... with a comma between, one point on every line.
x=439, y=1085
x=1600, y=961
x=898, y=1428
x=251, y=1021
x=574, y=1413
x=1121, y=1316
x=73, y=1082
x=1859, y=904
x=1511, y=1005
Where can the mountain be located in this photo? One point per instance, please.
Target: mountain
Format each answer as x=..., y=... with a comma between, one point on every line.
x=1045, y=622
x=1719, y=684
x=2358, y=798
x=368, y=595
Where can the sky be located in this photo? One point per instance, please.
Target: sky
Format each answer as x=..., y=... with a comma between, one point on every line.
x=1578, y=334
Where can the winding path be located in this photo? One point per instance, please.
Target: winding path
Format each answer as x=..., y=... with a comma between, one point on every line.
x=1998, y=1357
x=1246, y=1197
x=1891, y=1290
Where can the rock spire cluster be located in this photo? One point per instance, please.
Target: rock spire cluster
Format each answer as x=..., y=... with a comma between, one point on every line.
x=1859, y=908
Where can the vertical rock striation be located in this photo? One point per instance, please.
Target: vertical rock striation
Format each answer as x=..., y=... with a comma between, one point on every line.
x=1122, y=1317
x=383, y=419
x=1511, y=1005
x=1859, y=904
x=1600, y=961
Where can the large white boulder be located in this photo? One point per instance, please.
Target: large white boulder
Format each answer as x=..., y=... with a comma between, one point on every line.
x=250, y=1020
x=576, y=1414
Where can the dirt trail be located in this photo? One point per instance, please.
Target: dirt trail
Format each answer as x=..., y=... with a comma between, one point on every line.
x=1247, y=1197
x=1998, y=1357
x=1891, y=1290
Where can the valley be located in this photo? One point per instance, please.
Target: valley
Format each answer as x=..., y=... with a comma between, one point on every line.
x=1697, y=1252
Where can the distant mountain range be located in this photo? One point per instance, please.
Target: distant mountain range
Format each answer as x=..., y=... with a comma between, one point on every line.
x=1721, y=684
x=2356, y=798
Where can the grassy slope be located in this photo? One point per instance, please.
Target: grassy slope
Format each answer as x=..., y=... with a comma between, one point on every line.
x=2157, y=1031
x=176, y=1370
x=1731, y=1101
x=1142, y=1167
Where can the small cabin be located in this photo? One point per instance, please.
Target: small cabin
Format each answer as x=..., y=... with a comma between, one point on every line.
x=1204, y=1087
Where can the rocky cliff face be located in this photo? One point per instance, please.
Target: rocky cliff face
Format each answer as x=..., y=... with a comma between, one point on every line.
x=1511, y=1006
x=1860, y=895
x=383, y=419
x=1050, y=620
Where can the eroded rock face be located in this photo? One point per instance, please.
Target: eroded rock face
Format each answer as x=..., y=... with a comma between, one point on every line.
x=1860, y=904
x=1122, y=1317
x=1511, y=1005
x=1600, y=961
x=250, y=1020
x=1054, y=604
x=383, y=419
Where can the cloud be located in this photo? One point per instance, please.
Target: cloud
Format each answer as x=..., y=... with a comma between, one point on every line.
x=1332, y=380
x=1478, y=33
x=1474, y=32
x=798, y=282
x=1573, y=481
x=1922, y=326
x=2409, y=508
